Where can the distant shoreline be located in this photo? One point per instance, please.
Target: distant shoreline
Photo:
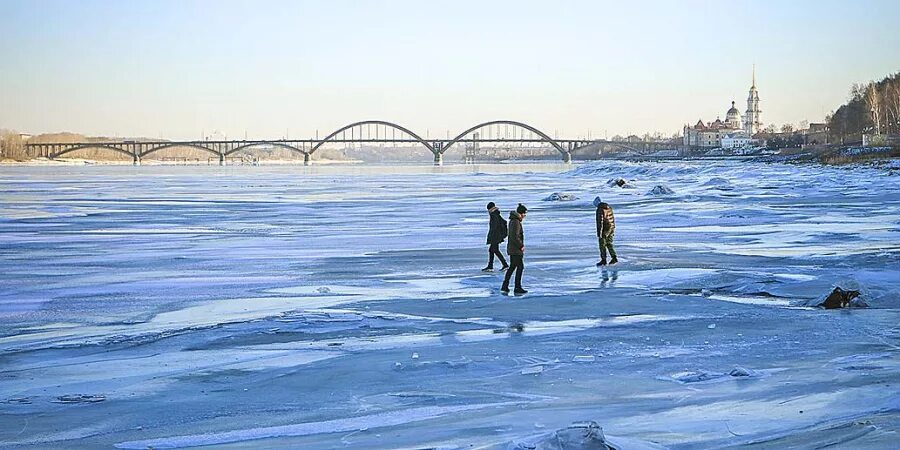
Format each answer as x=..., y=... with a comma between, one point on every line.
x=889, y=157
x=158, y=162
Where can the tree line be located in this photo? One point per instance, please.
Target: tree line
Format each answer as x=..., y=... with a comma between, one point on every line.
x=11, y=145
x=873, y=108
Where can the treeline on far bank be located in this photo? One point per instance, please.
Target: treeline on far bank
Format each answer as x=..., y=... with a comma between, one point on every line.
x=872, y=109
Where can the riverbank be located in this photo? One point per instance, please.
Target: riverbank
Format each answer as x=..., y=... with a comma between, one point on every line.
x=835, y=156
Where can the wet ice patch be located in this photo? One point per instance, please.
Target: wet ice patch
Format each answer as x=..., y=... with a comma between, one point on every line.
x=862, y=358
x=459, y=363
x=660, y=278
x=379, y=420
x=751, y=300
x=170, y=323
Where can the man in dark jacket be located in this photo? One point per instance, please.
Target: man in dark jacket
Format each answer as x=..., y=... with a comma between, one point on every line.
x=515, y=247
x=496, y=235
x=606, y=231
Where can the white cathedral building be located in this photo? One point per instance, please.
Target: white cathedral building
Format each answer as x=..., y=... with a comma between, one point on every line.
x=733, y=132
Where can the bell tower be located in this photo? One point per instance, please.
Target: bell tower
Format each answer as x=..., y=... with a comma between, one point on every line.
x=752, y=122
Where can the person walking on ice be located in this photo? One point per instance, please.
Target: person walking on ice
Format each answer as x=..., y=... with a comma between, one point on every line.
x=606, y=231
x=515, y=247
x=496, y=235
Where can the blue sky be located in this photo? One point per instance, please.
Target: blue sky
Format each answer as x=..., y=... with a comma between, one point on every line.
x=269, y=68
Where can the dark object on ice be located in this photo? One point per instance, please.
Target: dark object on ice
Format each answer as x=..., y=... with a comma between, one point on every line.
x=515, y=247
x=606, y=231
x=840, y=298
x=497, y=231
x=620, y=182
x=79, y=398
x=558, y=197
x=660, y=190
x=578, y=436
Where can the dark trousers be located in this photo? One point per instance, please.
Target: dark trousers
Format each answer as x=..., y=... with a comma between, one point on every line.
x=606, y=243
x=494, y=249
x=517, y=264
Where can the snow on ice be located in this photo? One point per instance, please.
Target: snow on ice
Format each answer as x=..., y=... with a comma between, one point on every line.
x=344, y=307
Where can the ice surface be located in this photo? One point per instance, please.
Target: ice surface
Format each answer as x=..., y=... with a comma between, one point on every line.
x=344, y=307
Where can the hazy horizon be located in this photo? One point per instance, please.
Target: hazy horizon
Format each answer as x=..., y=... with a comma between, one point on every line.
x=177, y=69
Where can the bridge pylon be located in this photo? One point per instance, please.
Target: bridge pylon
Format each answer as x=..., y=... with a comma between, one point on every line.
x=306, y=159
x=221, y=159
x=438, y=152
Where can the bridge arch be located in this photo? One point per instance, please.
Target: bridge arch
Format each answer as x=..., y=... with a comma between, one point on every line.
x=374, y=122
x=544, y=137
x=178, y=144
x=85, y=146
x=260, y=143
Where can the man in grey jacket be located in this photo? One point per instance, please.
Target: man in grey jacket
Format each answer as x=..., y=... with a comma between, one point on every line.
x=515, y=247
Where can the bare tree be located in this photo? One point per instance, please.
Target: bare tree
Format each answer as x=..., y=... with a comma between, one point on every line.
x=11, y=145
x=787, y=128
x=892, y=106
x=873, y=103
x=857, y=90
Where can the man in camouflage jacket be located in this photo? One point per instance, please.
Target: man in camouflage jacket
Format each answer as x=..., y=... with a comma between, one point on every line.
x=606, y=231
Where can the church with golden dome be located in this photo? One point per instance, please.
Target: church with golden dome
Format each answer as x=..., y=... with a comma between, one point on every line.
x=735, y=131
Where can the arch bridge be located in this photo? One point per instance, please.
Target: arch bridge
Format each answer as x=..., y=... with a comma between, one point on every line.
x=367, y=131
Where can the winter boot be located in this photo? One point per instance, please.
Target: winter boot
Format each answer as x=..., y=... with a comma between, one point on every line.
x=488, y=269
x=602, y=262
x=613, y=260
x=520, y=291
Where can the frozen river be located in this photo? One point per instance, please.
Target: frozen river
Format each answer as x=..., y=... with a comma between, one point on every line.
x=344, y=307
